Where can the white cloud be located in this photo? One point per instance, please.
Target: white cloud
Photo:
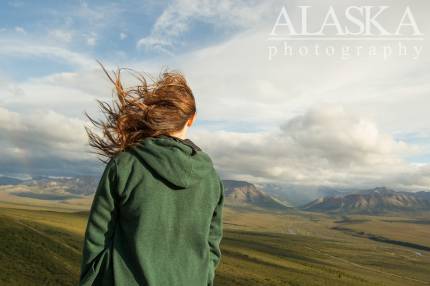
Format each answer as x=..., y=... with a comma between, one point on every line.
x=324, y=146
x=19, y=29
x=234, y=80
x=155, y=43
x=54, y=129
x=43, y=142
x=61, y=35
x=91, y=39
x=97, y=15
x=123, y=36
x=12, y=48
x=67, y=93
x=179, y=15
x=239, y=89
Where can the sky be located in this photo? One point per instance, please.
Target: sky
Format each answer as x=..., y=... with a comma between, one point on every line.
x=355, y=118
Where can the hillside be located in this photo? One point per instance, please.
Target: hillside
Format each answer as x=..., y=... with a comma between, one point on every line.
x=373, y=201
x=239, y=193
x=37, y=254
x=43, y=248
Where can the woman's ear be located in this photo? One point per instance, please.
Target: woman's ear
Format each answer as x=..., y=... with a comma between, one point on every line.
x=191, y=120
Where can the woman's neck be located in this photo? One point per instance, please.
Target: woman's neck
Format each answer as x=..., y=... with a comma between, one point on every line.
x=182, y=134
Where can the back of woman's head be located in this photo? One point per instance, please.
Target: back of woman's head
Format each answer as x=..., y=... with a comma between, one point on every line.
x=151, y=108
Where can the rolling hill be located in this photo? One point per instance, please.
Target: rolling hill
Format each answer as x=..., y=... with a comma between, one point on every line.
x=35, y=253
x=258, y=248
x=373, y=201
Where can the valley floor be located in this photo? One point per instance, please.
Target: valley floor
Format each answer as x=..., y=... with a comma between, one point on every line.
x=43, y=247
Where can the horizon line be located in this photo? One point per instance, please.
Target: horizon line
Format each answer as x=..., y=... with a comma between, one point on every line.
x=341, y=38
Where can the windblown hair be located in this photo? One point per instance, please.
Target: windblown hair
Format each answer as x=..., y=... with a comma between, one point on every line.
x=151, y=108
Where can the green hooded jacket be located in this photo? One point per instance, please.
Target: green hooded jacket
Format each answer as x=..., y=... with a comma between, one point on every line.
x=156, y=218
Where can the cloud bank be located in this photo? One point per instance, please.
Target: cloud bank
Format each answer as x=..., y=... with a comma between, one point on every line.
x=324, y=146
x=44, y=143
x=300, y=120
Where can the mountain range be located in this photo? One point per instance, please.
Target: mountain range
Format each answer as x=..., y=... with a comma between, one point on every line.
x=242, y=193
x=237, y=193
x=372, y=201
x=78, y=185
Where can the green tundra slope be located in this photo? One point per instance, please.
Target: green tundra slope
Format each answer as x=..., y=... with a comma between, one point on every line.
x=259, y=248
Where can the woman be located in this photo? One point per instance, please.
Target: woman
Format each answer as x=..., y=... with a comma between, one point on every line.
x=156, y=218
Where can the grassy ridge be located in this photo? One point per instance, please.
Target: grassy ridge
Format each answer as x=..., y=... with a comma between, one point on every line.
x=44, y=248
x=37, y=254
x=252, y=258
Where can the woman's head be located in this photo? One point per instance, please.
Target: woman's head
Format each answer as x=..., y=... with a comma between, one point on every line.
x=163, y=106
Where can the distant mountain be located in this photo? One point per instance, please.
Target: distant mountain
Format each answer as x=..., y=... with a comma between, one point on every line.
x=423, y=195
x=9, y=181
x=79, y=185
x=300, y=195
x=373, y=201
x=333, y=192
x=244, y=193
x=289, y=195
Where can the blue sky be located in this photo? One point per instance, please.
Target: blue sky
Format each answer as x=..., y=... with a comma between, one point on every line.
x=99, y=29
x=315, y=120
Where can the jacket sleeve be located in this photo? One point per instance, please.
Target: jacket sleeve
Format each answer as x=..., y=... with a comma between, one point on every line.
x=100, y=226
x=215, y=235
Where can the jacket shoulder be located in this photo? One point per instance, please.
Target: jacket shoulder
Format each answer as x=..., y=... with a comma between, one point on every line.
x=125, y=157
x=124, y=161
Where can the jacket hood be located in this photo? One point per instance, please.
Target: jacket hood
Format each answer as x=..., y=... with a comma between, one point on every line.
x=179, y=162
